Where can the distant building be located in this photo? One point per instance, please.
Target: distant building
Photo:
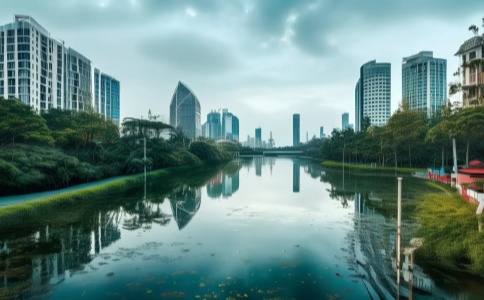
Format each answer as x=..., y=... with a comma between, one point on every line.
x=226, y=124
x=106, y=94
x=424, y=82
x=470, y=52
x=296, y=130
x=321, y=132
x=213, y=126
x=258, y=137
x=42, y=72
x=345, y=120
x=185, y=111
x=372, y=94
x=235, y=128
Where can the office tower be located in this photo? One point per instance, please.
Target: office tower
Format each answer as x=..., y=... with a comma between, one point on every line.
x=321, y=132
x=470, y=52
x=345, y=118
x=424, y=82
x=296, y=130
x=42, y=72
x=214, y=128
x=226, y=124
x=235, y=128
x=106, y=96
x=185, y=111
x=271, y=141
x=258, y=137
x=372, y=94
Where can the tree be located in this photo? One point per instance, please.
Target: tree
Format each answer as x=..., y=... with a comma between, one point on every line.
x=19, y=123
x=406, y=129
x=469, y=126
x=474, y=29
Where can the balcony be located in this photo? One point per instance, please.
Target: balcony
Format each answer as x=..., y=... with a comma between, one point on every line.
x=475, y=79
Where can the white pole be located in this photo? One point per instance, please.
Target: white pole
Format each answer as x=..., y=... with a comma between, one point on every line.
x=144, y=162
x=399, y=224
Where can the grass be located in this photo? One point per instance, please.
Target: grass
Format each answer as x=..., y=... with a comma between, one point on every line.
x=449, y=226
x=70, y=202
x=334, y=164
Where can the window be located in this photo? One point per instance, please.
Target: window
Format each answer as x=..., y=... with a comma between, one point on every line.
x=472, y=55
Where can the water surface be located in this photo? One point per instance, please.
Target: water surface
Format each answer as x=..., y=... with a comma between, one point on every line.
x=261, y=228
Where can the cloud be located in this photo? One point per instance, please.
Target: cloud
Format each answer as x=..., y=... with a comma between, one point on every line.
x=193, y=52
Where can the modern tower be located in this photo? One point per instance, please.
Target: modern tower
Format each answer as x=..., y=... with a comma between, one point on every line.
x=296, y=130
x=106, y=96
x=214, y=128
x=345, y=121
x=235, y=128
x=372, y=94
x=185, y=111
x=424, y=82
x=226, y=124
x=258, y=137
x=321, y=132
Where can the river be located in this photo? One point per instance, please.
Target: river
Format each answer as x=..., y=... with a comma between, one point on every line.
x=258, y=228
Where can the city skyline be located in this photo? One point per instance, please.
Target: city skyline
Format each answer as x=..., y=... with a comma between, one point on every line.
x=268, y=60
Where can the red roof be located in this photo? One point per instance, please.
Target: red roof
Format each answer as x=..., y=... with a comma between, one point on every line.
x=475, y=162
x=474, y=171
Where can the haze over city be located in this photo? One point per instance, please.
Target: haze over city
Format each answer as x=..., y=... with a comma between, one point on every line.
x=262, y=60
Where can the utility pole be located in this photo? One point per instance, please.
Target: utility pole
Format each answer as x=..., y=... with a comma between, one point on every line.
x=144, y=163
x=399, y=223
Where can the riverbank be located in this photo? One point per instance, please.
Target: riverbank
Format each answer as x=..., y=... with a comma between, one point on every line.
x=450, y=228
x=334, y=164
x=84, y=197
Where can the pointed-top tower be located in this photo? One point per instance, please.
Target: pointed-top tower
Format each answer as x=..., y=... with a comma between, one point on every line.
x=185, y=111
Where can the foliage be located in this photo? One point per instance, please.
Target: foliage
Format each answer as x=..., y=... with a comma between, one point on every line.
x=449, y=227
x=19, y=123
x=333, y=164
x=208, y=152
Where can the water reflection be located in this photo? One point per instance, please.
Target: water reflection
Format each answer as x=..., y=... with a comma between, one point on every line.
x=225, y=183
x=185, y=202
x=296, y=176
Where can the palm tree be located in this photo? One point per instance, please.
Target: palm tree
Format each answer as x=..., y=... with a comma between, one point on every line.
x=474, y=29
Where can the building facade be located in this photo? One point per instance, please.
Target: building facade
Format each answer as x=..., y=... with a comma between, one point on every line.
x=424, y=82
x=321, y=132
x=42, y=72
x=106, y=94
x=372, y=94
x=258, y=138
x=185, y=111
x=235, y=128
x=345, y=121
x=296, y=130
x=471, y=55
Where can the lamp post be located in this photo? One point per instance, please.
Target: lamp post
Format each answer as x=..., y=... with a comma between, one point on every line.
x=144, y=163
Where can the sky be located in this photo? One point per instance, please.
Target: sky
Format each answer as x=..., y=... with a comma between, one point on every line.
x=263, y=60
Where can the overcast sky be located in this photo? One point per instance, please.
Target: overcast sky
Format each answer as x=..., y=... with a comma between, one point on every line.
x=263, y=60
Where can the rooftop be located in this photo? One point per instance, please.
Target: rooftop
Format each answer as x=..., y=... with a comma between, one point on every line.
x=471, y=43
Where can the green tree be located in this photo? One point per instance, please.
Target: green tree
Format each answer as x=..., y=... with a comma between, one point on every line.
x=19, y=123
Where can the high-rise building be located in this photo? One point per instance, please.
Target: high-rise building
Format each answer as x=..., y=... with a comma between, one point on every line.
x=470, y=52
x=213, y=128
x=235, y=128
x=106, y=94
x=345, y=121
x=296, y=130
x=42, y=72
x=424, y=82
x=321, y=132
x=372, y=94
x=185, y=111
x=226, y=124
x=258, y=137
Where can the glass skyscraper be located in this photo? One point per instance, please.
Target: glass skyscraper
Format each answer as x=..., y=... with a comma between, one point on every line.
x=106, y=96
x=424, y=82
x=296, y=130
x=345, y=121
x=258, y=137
x=185, y=111
x=372, y=94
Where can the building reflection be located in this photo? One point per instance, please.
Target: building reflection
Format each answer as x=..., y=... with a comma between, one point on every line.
x=226, y=182
x=36, y=263
x=185, y=202
x=296, y=176
x=258, y=161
